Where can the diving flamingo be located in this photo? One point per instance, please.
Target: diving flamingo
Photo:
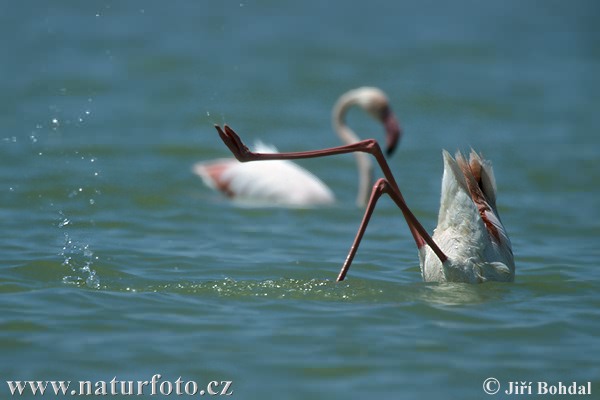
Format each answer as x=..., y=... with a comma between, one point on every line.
x=283, y=183
x=469, y=244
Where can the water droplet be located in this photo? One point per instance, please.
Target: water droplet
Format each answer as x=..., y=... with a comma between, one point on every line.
x=92, y=281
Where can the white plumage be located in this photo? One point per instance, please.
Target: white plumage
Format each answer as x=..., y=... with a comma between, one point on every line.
x=469, y=230
x=274, y=182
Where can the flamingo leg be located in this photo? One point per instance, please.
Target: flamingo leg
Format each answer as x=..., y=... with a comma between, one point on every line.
x=388, y=185
x=379, y=188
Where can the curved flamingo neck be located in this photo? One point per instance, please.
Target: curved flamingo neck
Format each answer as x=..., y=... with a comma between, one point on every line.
x=347, y=136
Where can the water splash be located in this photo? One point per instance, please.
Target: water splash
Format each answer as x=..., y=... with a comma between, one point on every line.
x=64, y=221
x=79, y=258
x=282, y=288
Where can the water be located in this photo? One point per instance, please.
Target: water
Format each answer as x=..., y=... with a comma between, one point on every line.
x=117, y=262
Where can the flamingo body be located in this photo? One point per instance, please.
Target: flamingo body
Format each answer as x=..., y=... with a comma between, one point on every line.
x=274, y=182
x=469, y=230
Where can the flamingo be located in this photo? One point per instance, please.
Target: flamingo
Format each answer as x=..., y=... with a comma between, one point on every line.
x=470, y=243
x=284, y=183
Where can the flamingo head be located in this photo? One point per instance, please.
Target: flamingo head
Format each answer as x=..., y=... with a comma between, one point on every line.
x=375, y=103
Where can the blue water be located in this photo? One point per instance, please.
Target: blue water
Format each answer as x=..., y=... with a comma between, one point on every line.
x=118, y=262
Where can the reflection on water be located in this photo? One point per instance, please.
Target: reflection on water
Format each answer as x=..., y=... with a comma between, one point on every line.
x=455, y=294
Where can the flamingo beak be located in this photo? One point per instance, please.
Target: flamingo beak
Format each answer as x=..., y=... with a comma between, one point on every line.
x=393, y=132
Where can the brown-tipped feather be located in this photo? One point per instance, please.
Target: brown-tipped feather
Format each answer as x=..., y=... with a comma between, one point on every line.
x=472, y=172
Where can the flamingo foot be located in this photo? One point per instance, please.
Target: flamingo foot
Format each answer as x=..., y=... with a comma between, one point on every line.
x=233, y=141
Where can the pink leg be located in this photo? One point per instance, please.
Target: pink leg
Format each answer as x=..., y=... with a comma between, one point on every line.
x=383, y=186
x=388, y=185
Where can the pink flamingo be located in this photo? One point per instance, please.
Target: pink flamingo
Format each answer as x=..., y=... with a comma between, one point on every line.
x=470, y=244
x=283, y=183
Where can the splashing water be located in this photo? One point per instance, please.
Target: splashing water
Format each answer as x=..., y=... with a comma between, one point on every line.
x=80, y=259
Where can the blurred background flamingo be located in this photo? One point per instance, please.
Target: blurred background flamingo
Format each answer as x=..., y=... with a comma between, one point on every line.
x=283, y=183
